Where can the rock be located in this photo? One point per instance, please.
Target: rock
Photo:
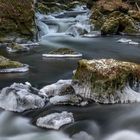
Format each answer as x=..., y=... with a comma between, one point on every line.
x=62, y=87
x=108, y=81
x=134, y=14
x=62, y=53
x=114, y=17
x=17, y=19
x=118, y=22
x=62, y=92
x=68, y=100
x=17, y=48
x=20, y=97
x=7, y=63
x=44, y=6
x=7, y=66
x=55, y=120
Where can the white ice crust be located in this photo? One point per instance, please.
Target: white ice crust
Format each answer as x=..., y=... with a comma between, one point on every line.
x=55, y=120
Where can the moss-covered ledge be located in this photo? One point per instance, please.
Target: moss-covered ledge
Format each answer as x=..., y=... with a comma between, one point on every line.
x=17, y=19
x=107, y=80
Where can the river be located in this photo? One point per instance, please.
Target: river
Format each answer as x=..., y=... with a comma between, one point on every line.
x=93, y=122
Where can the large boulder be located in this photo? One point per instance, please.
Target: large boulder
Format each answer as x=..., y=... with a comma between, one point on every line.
x=114, y=17
x=20, y=97
x=118, y=22
x=108, y=81
x=17, y=19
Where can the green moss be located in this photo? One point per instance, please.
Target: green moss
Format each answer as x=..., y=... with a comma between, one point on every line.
x=6, y=63
x=63, y=51
x=106, y=76
x=17, y=17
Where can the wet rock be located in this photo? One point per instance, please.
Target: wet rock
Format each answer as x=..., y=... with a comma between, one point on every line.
x=108, y=81
x=17, y=19
x=68, y=100
x=20, y=97
x=114, y=17
x=56, y=89
x=78, y=29
x=55, y=120
x=118, y=22
x=7, y=63
x=44, y=6
x=62, y=92
x=17, y=48
x=129, y=41
x=62, y=52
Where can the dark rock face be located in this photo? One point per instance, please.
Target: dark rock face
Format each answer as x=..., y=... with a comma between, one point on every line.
x=17, y=19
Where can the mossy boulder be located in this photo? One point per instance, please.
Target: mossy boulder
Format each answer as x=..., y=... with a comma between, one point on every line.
x=104, y=80
x=118, y=22
x=17, y=18
x=63, y=51
x=6, y=63
x=113, y=17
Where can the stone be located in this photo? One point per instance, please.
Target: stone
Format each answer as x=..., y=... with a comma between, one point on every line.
x=114, y=17
x=17, y=18
x=20, y=97
x=62, y=53
x=55, y=120
x=108, y=80
x=7, y=63
x=118, y=22
x=62, y=92
x=17, y=48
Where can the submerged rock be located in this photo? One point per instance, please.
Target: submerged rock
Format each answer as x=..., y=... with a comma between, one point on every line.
x=78, y=29
x=55, y=120
x=108, y=80
x=6, y=65
x=20, y=97
x=62, y=52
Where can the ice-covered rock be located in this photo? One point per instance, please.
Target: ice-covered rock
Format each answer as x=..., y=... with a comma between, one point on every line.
x=62, y=92
x=68, y=99
x=7, y=65
x=59, y=88
x=24, y=68
x=78, y=29
x=108, y=81
x=19, y=97
x=55, y=120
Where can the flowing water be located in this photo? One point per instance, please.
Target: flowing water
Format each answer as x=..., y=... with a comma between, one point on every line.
x=93, y=122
